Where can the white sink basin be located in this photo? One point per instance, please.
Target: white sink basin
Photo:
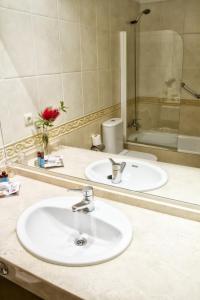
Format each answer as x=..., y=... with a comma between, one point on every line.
x=137, y=176
x=49, y=230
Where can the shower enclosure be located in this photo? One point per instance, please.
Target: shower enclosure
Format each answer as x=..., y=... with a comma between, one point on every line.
x=159, y=109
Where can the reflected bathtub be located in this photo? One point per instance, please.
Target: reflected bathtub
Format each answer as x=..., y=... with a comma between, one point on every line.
x=183, y=143
x=153, y=137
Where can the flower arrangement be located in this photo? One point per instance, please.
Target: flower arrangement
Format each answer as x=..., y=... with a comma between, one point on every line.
x=46, y=120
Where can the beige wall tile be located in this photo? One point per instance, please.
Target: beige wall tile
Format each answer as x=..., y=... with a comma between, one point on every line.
x=115, y=49
x=173, y=14
x=191, y=76
x=103, y=44
x=89, y=48
x=151, y=81
x=72, y=86
x=191, y=51
x=17, y=56
x=24, y=5
x=189, y=120
x=49, y=90
x=105, y=88
x=70, y=46
x=114, y=15
x=103, y=14
x=90, y=91
x=192, y=16
x=45, y=7
x=88, y=12
x=17, y=98
x=69, y=10
x=169, y=116
x=47, y=45
x=152, y=21
x=116, y=86
x=148, y=115
x=66, y=46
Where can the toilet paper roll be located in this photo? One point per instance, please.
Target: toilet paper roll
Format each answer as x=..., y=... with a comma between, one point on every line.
x=96, y=140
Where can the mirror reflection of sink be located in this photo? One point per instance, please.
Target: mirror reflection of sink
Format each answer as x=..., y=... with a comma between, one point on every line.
x=137, y=176
x=52, y=232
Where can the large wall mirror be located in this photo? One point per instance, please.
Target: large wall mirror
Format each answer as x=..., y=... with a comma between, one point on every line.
x=68, y=55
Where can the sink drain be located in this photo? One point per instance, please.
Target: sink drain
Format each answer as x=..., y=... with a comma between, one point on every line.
x=81, y=241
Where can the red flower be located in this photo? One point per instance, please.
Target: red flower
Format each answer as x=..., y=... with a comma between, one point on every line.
x=50, y=114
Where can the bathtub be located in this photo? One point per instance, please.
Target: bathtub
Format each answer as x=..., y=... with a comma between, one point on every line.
x=153, y=137
x=183, y=143
x=189, y=144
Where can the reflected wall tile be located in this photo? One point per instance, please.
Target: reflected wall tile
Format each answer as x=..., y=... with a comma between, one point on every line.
x=69, y=10
x=189, y=114
x=192, y=16
x=88, y=48
x=103, y=44
x=17, y=57
x=105, y=88
x=151, y=50
x=153, y=21
x=151, y=82
x=148, y=115
x=44, y=7
x=134, y=8
x=90, y=91
x=47, y=45
x=49, y=88
x=88, y=12
x=103, y=14
x=115, y=49
x=23, y=5
x=70, y=46
x=173, y=14
x=191, y=51
x=191, y=76
x=116, y=89
x=72, y=87
x=115, y=15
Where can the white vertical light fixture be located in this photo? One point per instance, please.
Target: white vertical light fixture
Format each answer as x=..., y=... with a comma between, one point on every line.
x=123, y=80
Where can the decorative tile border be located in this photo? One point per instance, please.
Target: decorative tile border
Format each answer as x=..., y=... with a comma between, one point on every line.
x=165, y=101
x=30, y=142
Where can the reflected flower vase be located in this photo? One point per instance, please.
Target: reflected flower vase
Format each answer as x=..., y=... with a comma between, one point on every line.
x=45, y=140
x=46, y=120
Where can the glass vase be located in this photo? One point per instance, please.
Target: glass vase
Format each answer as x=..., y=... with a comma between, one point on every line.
x=45, y=140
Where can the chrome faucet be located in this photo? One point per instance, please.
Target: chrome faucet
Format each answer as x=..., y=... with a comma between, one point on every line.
x=117, y=170
x=87, y=204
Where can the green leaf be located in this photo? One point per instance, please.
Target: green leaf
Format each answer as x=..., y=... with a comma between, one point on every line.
x=63, y=107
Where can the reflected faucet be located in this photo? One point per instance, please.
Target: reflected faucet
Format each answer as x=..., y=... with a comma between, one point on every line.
x=134, y=124
x=117, y=170
x=87, y=204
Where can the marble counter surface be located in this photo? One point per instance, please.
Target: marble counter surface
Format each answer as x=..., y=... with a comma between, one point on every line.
x=162, y=263
x=183, y=183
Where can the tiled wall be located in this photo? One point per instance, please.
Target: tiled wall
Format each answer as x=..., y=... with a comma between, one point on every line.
x=60, y=49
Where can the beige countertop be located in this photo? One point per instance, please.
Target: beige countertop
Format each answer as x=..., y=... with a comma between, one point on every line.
x=162, y=263
x=183, y=183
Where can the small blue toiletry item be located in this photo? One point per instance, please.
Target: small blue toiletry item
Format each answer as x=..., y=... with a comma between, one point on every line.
x=38, y=158
x=4, y=177
x=42, y=160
